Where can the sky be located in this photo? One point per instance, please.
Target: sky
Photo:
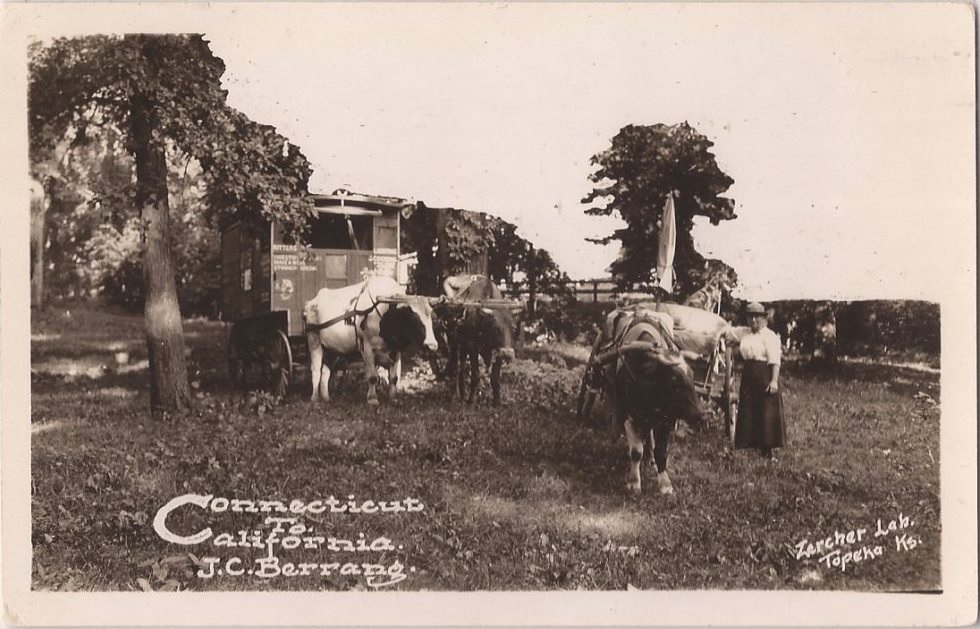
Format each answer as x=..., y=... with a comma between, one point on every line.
x=848, y=129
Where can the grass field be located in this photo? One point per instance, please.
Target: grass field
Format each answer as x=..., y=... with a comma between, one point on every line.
x=516, y=498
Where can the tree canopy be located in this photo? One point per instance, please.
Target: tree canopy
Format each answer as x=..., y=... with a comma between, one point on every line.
x=79, y=86
x=633, y=178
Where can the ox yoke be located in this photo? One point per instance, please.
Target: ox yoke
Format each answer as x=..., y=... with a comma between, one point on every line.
x=636, y=323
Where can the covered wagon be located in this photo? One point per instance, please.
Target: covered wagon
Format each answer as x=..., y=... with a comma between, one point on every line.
x=267, y=278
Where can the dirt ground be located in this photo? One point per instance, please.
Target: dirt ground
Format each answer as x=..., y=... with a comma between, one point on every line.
x=517, y=498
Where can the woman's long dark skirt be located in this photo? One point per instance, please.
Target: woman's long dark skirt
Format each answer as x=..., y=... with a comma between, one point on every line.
x=759, y=422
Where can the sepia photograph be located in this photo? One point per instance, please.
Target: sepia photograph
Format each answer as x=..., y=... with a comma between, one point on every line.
x=459, y=302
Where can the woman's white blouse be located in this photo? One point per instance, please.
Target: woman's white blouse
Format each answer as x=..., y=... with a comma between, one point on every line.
x=761, y=345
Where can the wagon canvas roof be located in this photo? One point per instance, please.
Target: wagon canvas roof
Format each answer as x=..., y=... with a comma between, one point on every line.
x=371, y=202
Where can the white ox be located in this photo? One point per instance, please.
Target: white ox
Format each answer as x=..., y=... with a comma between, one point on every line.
x=379, y=332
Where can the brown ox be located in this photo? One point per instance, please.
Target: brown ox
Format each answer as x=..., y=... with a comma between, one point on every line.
x=651, y=384
x=475, y=332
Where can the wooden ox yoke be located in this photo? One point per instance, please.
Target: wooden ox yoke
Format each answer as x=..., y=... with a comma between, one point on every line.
x=404, y=299
x=627, y=341
x=509, y=304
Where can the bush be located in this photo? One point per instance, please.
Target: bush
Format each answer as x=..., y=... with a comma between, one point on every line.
x=877, y=327
x=864, y=328
x=116, y=267
x=569, y=320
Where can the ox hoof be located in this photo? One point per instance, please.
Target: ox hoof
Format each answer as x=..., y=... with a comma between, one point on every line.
x=663, y=481
x=632, y=484
x=374, y=401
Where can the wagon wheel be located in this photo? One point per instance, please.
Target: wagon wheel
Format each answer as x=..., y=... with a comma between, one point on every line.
x=729, y=396
x=589, y=388
x=586, y=397
x=278, y=360
x=707, y=389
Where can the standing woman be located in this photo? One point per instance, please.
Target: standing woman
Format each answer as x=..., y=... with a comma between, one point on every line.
x=760, y=406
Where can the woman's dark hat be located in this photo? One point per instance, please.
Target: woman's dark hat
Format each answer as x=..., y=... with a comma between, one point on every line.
x=755, y=308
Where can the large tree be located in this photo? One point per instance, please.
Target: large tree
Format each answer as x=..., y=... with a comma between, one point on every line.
x=634, y=176
x=164, y=92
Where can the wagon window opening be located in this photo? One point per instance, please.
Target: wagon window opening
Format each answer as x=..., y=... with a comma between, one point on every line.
x=387, y=237
x=330, y=231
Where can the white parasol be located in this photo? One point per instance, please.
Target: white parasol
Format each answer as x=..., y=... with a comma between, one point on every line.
x=666, y=246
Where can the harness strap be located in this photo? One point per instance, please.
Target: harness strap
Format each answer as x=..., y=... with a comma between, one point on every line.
x=626, y=365
x=348, y=315
x=316, y=327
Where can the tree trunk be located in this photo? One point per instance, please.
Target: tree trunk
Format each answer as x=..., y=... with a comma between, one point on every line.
x=169, y=389
x=440, y=220
x=39, y=210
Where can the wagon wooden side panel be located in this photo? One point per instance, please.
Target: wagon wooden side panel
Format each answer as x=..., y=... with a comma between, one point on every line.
x=246, y=269
x=298, y=273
